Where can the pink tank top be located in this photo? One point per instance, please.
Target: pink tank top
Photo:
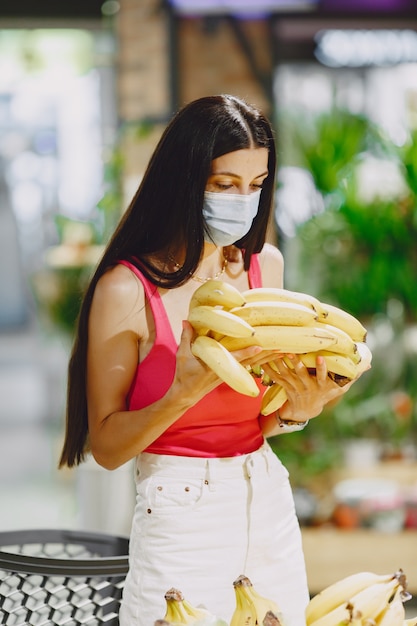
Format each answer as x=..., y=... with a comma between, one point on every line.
x=224, y=423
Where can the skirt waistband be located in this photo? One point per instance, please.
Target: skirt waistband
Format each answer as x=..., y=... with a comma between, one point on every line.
x=148, y=464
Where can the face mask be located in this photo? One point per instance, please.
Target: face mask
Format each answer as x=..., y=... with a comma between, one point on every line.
x=228, y=216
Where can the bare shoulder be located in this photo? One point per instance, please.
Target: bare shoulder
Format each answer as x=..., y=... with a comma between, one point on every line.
x=119, y=294
x=118, y=283
x=272, y=266
x=271, y=253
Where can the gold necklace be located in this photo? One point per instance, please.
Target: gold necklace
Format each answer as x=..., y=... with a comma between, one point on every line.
x=200, y=279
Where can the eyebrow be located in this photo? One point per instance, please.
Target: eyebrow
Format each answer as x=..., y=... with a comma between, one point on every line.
x=237, y=175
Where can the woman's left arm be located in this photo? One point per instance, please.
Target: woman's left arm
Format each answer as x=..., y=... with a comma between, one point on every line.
x=307, y=394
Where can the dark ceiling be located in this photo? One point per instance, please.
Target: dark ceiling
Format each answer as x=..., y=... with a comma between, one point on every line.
x=50, y=9
x=91, y=9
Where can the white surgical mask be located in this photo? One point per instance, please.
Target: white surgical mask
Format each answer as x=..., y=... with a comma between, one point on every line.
x=229, y=216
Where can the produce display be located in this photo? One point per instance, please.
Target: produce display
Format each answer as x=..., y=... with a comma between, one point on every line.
x=251, y=609
x=288, y=322
x=361, y=599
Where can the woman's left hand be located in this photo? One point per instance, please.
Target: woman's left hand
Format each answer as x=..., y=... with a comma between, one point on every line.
x=307, y=394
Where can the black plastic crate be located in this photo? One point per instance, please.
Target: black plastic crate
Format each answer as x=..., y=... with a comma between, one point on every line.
x=61, y=577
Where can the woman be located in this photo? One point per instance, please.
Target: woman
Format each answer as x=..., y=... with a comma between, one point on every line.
x=213, y=501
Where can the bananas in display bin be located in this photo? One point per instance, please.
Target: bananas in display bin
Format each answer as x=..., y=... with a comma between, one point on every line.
x=251, y=609
x=180, y=611
x=361, y=599
x=280, y=320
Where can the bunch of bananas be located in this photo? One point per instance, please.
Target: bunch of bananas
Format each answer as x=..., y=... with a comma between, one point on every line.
x=361, y=599
x=253, y=609
x=180, y=611
x=281, y=320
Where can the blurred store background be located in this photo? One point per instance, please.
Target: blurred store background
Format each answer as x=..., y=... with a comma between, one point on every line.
x=86, y=88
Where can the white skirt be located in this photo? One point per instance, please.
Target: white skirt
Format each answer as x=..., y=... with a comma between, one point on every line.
x=201, y=523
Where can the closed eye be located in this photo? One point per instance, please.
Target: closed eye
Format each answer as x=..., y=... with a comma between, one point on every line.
x=223, y=186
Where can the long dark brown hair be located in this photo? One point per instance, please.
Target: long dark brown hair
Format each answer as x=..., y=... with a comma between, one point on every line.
x=165, y=215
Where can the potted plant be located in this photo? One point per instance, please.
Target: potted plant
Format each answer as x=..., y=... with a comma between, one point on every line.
x=358, y=251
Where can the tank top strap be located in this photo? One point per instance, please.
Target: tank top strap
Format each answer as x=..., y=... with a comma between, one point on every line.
x=254, y=273
x=162, y=324
x=163, y=330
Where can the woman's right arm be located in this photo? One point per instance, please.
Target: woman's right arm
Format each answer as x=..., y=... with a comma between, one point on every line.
x=116, y=324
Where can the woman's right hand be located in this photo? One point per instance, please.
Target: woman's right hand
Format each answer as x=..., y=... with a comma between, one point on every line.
x=195, y=378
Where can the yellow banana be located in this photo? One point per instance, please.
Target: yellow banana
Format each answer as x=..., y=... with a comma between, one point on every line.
x=270, y=313
x=410, y=621
x=345, y=321
x=394, y=612
x=224, y=364
x=273, y=399
x=198, y=613
x=366, y=356
x=340, y=592
x=358, y=622
x=341, y=369
x=244, y=613
x=367, y=604
x=354, y=621
x=175, y=609
x=263, y=606
x=217, y=293
x=285, y=339
x=251, y=607
x=180, y=611
x=336, y=363
x=277, y=294
x=344, y=344
x=204, y=318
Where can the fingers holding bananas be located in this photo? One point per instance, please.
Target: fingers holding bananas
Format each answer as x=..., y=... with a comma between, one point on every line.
x=305, y=394
x=277, y=321
x=289, y=371
x=195, y=379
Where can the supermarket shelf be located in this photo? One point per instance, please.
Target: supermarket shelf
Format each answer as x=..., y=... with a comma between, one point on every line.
x=331, y=553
